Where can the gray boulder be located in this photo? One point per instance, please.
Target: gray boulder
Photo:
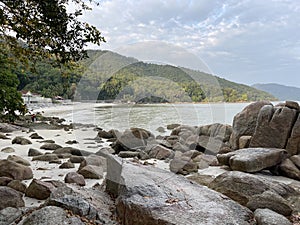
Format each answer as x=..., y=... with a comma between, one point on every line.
x=128, y=154
x=148, y=195
x=274, y=126
x=50, y=146
x=94, y=160
x=75, y=178
x=244, y=123
x=45, y=157
x=272, y=201
x=289, y=169
x=34, y=152
x=252, y=159
x=15, y=170
x=91, y=172
x=133, y=138
x=18, y=159
x=269, y=217
x=39, y=189
x=72, y=151
x=50, y=215
x=17, y=185
x=10, y=198
x=67, y=165
x=4, y=181
x=9, y=215
x=293, y=144
x=76, y=159
x=160, y=152
x=91, y=203
x=8, y=150
x=249, y=189
x=21, y=141
x=296, y=160
x=183, y=166
x=36, y=136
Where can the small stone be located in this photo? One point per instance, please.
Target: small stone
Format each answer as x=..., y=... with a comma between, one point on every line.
x=34, y=152
x=50, y=146
x=8, y=150
x=46, y=157
x=21, y=141
x=67, y=165
x=35, y=136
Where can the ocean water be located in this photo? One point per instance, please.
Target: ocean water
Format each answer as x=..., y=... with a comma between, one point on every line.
x=147, y=116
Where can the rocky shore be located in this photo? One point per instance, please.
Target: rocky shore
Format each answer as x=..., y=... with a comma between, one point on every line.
x=247, y=173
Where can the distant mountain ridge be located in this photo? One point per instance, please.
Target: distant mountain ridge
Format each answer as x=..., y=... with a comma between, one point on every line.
x=109, y=76
x=279, y=91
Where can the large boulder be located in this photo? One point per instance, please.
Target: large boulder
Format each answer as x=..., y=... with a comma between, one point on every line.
x=147, y=195
x=274, y=125
x=269, y=217
x=74, y=178
x=244, y=123
x=50, y=215
x=15, y=170
x=39, y=189
x=10, y=198
x=293, y=144
x=252, y=159
x=272, y=201
x=91, y=172
x=18, y=159
x=92, y=203
x=9, y=215
x=289, y=169
x=254, y=192
x=161, y=152
x=131, y=139
x=94, y=160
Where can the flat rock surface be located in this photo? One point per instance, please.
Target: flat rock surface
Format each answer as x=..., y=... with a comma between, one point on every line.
x=147, y=195
x=252, y=159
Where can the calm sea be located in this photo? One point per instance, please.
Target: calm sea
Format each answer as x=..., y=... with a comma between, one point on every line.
x=148, y=116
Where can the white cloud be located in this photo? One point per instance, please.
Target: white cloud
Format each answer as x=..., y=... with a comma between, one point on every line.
x=236, y=38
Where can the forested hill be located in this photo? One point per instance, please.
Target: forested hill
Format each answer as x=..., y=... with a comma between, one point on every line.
x=281, y=92
x=109, y=76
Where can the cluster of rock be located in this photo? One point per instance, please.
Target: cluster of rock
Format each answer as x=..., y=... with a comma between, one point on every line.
x=187, y=148
x=263, y=138
x=266, y=137
x=63, y=204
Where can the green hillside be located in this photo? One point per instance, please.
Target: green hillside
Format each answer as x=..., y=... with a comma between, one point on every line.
x=109, y=76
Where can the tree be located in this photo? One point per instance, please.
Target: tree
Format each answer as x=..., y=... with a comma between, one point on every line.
x=35, y=30
x=43, y=28
x=10, y=98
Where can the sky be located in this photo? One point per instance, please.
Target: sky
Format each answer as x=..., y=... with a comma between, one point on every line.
x=245, y=41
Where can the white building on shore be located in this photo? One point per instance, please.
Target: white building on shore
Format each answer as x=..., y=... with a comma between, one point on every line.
x=31, y=98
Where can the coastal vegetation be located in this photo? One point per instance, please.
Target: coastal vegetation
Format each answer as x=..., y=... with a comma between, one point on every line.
x=33, y=31
x=107, y=76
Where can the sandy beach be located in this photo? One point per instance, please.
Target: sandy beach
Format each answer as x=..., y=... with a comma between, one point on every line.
x=44, y=170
